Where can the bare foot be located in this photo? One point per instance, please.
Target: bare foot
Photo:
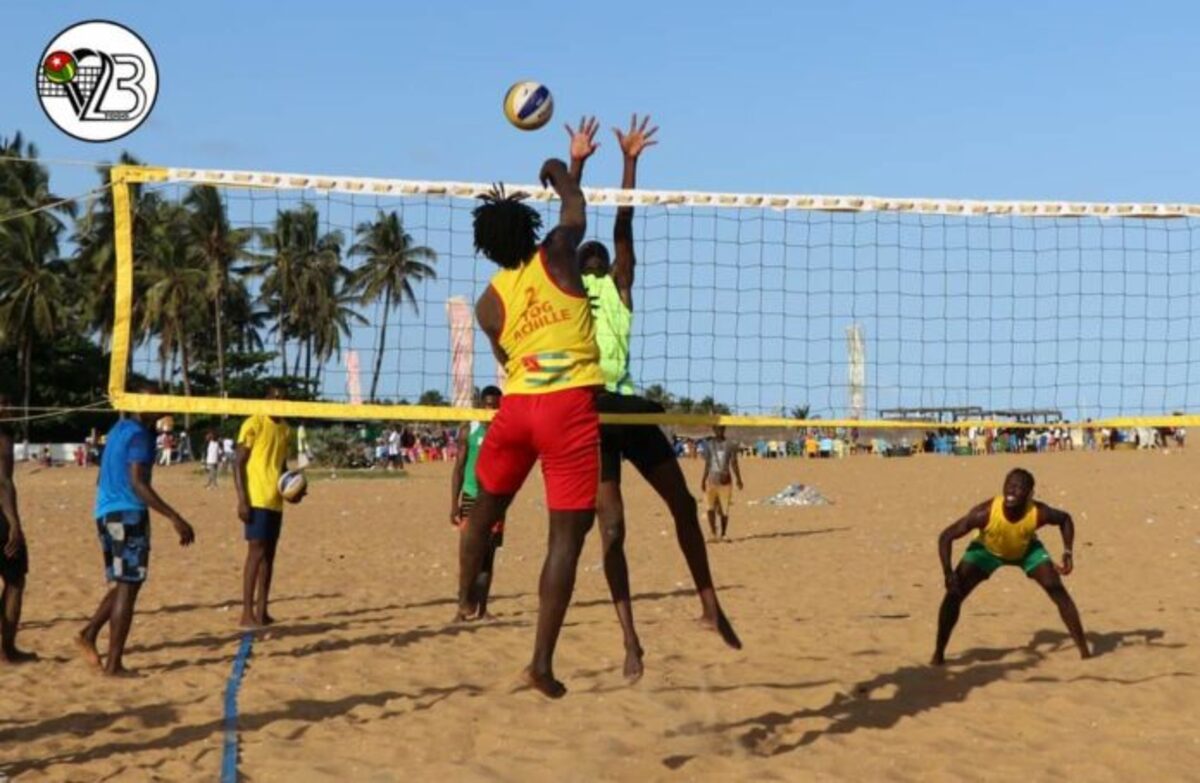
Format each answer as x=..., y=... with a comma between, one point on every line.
x=121, y=673
x=249, y=623
x=13, y=655
x=268, y=620
x=545, y=683
x=465, y=614
x=87, y=649
x=487, y=617
x=723, y=628
x=938, y=659
x=633, y=664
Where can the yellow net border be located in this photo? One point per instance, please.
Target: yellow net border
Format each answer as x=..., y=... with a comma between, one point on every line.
x=123, y=176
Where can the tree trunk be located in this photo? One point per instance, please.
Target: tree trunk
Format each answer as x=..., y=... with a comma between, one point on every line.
x=308, y=360
x=27, y=351
x=282, y=337
x=220, y=341
x=187, y=383
x=296, y=364
x=387, y=304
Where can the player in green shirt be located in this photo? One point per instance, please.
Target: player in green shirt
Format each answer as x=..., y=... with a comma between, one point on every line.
x=464, y=488
x=610, y=289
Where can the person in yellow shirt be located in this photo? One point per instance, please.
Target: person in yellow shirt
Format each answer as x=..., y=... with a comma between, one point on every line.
x=536, y=315
x=1006, y=535
x=261, y=458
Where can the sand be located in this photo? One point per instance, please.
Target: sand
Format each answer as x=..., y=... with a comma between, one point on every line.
x=365, y=678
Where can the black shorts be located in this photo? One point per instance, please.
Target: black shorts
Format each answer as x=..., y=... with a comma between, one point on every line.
x=264, y=525
x=12, y=568
x=644, y=445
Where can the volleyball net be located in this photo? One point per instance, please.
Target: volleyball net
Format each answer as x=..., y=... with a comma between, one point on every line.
x=749, y=309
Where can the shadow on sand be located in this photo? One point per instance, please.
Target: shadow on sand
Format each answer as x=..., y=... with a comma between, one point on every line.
x=156, y=715
x=883, y=701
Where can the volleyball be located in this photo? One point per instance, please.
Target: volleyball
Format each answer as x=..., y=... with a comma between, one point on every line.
x=528, y=105
x=292, y=485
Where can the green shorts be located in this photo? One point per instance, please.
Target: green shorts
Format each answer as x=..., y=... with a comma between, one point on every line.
x=979, y=556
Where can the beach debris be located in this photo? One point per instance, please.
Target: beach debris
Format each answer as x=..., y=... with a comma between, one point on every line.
x=798, y=495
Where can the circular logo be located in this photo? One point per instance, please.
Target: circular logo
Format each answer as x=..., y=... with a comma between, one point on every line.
x=97, y=81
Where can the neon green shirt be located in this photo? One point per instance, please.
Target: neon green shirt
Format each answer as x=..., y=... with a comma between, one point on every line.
x=614, y=322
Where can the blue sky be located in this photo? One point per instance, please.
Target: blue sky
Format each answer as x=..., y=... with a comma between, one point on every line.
x=1089, y=101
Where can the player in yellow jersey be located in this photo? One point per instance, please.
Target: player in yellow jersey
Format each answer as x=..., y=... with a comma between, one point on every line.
x=1006, y=534
x=610, y=291
x=262, y=451
x=536, y=315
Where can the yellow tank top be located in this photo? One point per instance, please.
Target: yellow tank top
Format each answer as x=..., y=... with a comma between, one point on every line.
x=1008, y=540
x=548, y=333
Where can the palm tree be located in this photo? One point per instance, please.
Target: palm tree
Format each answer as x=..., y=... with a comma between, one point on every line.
x=217, y=246
x=175, y=310
x=333, y=320
x=711, y=407
x=295, y=248
x=35, y=295
x=276, y=268
x=94, y=263
x=657, y=393
x=393, y=261
x=324, y=310
x=432, y=397
x=243, y=320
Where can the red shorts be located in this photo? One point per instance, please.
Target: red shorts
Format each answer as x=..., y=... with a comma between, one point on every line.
x=560, y=427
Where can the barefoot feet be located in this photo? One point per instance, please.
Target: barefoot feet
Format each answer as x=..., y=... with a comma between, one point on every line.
x=721, y=625
x=545, y=683
x=88, y=651
x=634, y=669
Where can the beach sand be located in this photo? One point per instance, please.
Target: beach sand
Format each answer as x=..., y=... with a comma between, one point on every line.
x=366, y=679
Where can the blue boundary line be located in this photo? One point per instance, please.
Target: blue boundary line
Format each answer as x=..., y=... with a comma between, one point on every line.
x=229, y=754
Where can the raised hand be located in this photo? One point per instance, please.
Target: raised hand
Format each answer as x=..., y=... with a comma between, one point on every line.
x=583, y=138
x=553, y=174
x=637, y=138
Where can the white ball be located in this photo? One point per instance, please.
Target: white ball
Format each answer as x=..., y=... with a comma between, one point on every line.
x=292, y=484
x=528, y=105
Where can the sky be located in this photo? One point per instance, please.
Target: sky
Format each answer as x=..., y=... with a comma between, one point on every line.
x=1070, y=100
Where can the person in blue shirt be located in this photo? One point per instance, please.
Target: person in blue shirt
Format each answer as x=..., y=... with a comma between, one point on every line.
x=123, y=500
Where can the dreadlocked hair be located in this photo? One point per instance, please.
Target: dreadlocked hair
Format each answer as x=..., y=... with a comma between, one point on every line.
x=506, y=231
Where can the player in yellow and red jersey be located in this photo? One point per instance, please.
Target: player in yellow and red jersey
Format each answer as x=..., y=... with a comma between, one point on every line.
x=537, y=316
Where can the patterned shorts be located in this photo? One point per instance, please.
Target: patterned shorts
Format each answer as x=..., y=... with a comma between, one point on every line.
x=464, y=513
x=125, y=543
